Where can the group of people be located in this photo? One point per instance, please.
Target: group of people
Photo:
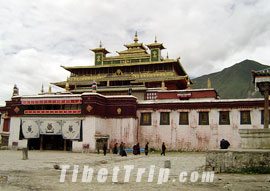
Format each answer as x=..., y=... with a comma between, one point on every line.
x=136, y=149
x=224, y=144
x=122, y=151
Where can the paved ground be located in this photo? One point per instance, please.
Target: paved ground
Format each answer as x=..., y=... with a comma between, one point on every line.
x=38, y=172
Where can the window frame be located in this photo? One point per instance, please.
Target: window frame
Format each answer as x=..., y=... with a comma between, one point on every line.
x=161, y=121
x=241, y=118
x=200, y=118
x=227, y=122
x=182, y=122
x=149, y=123
x=262, y=117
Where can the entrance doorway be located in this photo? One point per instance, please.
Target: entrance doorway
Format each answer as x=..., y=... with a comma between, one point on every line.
x=50, y=142
x=100, y=143
x=34, y=144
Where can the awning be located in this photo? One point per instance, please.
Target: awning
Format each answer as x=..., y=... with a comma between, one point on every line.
x=50, y=127
x=71, y=129
x=30, y=128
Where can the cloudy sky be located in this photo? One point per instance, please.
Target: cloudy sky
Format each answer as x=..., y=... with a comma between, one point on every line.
x=38, y=36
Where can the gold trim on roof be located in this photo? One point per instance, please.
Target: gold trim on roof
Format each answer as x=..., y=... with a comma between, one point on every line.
x=118, y=65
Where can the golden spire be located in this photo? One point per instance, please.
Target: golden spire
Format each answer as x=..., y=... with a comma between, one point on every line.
x=42, y=89
x=100, y=44
x=136, y=37
x=208, y=83
x=188, y=84
x=155, y=39
x=67, y=85
x=50, y=90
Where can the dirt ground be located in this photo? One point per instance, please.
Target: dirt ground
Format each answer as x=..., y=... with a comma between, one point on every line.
x=38, y=172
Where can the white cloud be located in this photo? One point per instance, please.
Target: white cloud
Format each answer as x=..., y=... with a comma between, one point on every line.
x=36, y=37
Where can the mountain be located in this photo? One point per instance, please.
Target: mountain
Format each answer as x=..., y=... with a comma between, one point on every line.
x=233, y=82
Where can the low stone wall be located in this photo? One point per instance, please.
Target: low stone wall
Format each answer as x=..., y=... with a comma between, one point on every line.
x=237, y=160
x=255, y=138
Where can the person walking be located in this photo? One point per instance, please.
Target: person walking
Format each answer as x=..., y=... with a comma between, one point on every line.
x=146, y=149
x=135, y=149
x=115, y=149
x=124, y=153
x=104, y=149
x=121, y=149
x=138, y=149
x=163, y=149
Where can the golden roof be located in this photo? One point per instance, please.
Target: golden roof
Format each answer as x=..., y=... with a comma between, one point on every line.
x=156, y=45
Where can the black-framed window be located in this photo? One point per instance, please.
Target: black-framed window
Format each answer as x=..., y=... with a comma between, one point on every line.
x=203, y=118
x=262, y=116
x=145, y=119
x=183, y=118
x=224, y=118
x=164, y=118
x=245, y=117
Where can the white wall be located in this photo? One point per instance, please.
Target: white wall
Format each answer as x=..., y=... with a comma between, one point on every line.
x=1, y=125
x=14, y=133
x=118, y=129
x=88, y=125
x=195, y=136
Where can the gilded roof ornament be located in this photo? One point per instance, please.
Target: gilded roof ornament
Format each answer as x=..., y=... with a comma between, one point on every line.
x=188, y=84
x=67, y=85
x=208, y=83
x=42, y=89
x=155, y=44
x=100, y=44
x=136, y=37
x=50, y=90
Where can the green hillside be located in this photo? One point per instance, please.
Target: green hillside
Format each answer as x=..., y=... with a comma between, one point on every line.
x=232, y=82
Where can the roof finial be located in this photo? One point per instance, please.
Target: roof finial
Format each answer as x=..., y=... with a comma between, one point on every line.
x=167, y=55
x=42, y=89
x=15, y=90
x=208, y=83
x=100, y=44
x=155, y=39
x=136, y=37
x=50, y=90
x=188, y=84
x=67, y=85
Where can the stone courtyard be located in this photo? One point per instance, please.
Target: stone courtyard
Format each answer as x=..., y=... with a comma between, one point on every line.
x=38, y=172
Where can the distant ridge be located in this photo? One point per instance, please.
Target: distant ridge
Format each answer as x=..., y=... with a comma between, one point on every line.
x=234, y=82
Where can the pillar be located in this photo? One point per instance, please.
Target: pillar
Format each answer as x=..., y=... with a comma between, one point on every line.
x=266, y=110
x=41, y=142
x=65, y=144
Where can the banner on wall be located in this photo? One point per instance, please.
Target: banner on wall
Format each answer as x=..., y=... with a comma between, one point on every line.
x=71, y=129
x=68, y=128
x=30, y=129
x=50, y=127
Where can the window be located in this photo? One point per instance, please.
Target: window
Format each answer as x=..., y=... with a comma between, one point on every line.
x=164, y=118
x=262, y=116
x=145, y=119
x=203, y=118
x=245, y=117
x=183, y=118
x=224, y=118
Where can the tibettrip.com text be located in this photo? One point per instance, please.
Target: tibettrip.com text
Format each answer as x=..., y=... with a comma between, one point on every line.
x=103, y=174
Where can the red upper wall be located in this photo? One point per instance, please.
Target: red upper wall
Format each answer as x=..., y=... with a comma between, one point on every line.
x=182, y=94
